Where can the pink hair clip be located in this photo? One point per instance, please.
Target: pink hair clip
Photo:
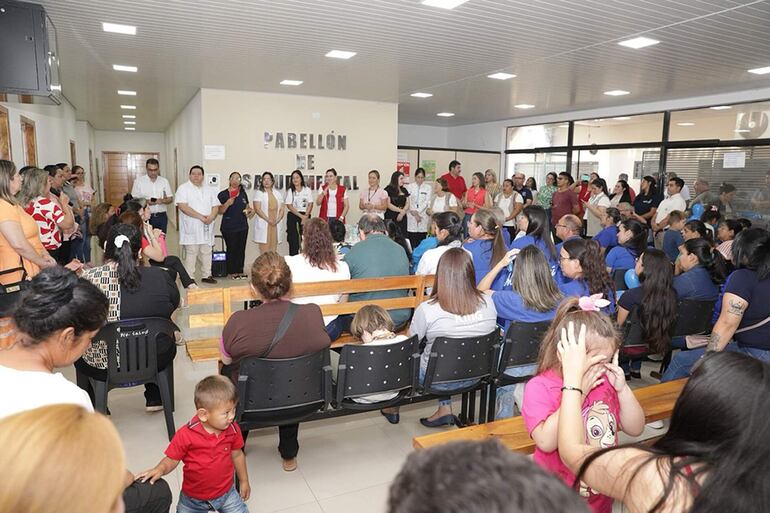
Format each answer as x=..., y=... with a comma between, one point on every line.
x=593, y=303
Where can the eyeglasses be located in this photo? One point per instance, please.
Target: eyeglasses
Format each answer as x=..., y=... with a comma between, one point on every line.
x=561, y=258
x=561, y=226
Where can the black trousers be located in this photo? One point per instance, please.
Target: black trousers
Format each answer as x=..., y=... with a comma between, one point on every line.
x=235, y=246
x=147, y=498
x=62, y=254
x=175, y=267
x=415, y=238
x=294, y=233
x=166, y=354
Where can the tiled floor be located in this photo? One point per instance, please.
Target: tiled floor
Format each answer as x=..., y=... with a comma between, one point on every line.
x=346, y=464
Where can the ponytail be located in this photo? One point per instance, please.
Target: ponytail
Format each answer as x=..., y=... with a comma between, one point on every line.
x=710, y=258
x=488, y=222
x=123, y=244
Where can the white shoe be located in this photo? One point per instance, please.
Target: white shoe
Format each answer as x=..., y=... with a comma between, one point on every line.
x=658, y=424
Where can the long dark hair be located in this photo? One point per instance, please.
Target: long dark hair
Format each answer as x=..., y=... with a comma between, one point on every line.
x=698, y=226
x=602, y=184
x=711, y=259
x=751, y=250
x=719, y=433
x=301, y=179
x=262, y=185
x=395, y=234
x=659, y=299
x=625, y=196
x=450, y=222
x=487, y=221
x=589, y=254
x=126, y=255
x=539, y=227
x=638, y=241
x=455, y=286
x=394, y=188
x=653, y=188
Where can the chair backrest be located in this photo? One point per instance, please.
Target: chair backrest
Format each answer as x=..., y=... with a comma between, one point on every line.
x=522, y=344
x=619, y=277
x=459, y=359
x=132, y=354
x=377, y=369
x=633, y=334
x=693, y=317
x=268, y=386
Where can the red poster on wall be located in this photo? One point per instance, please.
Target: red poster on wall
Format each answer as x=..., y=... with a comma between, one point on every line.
x=403, y=166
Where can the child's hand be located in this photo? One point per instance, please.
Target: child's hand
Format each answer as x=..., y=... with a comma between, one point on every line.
x=615, y=374
x=152, y=475
x=576, y=366
x=245, y=490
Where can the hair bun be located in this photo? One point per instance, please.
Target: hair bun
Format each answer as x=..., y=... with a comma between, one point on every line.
x=57, y=283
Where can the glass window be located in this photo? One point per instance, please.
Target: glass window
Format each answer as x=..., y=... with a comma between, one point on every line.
x=619, y=130
x=610, y=164
x=724, y=122
x=537, y=136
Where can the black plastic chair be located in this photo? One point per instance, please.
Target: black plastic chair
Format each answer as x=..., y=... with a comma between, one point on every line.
x=619, y=277
x=520, y=347
x=693, y=318
x=275, y=392
x=453, y=360
x=634, y=346
x=365, y=370
x=132, y=360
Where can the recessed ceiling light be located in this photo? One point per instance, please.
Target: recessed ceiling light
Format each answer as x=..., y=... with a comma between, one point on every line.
x=291, y=82
x=445, y=114
x=444, y=4
x=616, y=92
x=501, y=76
x=742, y=131
x=129, y=116
x=119, y=29
x=340, y=54
x=129, y=128
x=120, y=67
x=639, y=42
x=126, y=93
x=129, y=122
x=621, y=118
x=686, y=123
x=524, y=106
x=128, y=107
x=720, y=107
x=421, y=95
x=760, y=71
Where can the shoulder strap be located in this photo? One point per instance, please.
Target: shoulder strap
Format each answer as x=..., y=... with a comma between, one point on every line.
x=282, y=327
x=754, y=326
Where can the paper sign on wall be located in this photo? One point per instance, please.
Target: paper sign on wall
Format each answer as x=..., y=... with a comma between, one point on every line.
x=214, y=152
x=734, y=159
x=430, y=170
x=403, y=164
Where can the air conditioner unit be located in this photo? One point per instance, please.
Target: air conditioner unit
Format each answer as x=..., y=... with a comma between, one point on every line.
x=28, y=54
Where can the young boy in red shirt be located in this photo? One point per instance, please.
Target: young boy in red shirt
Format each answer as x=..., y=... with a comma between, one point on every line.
x=210, y=447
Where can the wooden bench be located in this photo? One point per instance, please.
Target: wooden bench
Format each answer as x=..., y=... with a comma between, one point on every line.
x=657, y=402
x=207, y=349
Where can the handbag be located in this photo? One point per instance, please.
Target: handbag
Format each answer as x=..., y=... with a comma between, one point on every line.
x=696, y=341
x=11, y=292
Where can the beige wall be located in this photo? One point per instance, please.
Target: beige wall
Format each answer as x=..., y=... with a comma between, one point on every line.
x=54, y=129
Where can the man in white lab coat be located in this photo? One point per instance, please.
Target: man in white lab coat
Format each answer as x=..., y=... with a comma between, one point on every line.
x=198, y=206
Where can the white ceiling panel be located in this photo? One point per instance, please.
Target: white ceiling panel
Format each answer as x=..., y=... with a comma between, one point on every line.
x=564, y=52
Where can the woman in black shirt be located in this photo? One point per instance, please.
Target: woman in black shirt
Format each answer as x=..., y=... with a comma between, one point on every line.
x=235, y=210
x=397, y=196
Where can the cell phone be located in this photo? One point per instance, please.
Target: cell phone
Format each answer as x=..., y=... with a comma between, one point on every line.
x=153, y=200
x=234, y=193
x=584, y=178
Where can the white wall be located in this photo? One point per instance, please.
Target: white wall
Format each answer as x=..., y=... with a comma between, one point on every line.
x=54, y=129
x=132, y=142
x=424, y=136
x=185, y=134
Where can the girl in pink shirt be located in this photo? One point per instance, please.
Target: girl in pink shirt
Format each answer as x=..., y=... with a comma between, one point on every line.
x=604, y=411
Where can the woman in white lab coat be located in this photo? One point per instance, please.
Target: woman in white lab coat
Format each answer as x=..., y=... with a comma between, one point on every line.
x=417, y=218
x=269, y=209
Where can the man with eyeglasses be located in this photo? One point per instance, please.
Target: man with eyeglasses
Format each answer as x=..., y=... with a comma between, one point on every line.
x=568, y=228
x=157, y=191
x=564, y=200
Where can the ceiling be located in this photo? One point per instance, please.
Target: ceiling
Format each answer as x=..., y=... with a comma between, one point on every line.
x=564, y=52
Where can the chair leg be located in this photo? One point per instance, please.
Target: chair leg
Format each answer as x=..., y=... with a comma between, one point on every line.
x=464, y=408
x=472, y=407
x=492, y=406
x=483, y=404
x=165, y=397
x=170, y=371
x=100, y=395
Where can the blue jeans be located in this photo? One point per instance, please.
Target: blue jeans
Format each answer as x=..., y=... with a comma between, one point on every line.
x=230, y=502
x=683, y=362
x=509, y=394
x=447, y=401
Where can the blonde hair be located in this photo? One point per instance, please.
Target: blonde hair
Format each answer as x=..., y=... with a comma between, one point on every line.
x=7, y=173
x=370, y=318
x=33, y=186
x=598, y=325
x=60, y=458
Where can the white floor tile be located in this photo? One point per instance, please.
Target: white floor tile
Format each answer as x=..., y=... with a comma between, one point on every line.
x=369, y=500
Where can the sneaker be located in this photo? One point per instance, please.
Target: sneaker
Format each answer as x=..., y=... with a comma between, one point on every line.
x=290, y=465
x=193, y=286
x=210, y=279
x=152, y=408
x=658, y=424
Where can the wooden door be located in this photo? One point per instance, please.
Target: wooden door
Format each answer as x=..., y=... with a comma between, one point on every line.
x=120, y=171
x=5, y=135
x=29, y=141
x=73, y=155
